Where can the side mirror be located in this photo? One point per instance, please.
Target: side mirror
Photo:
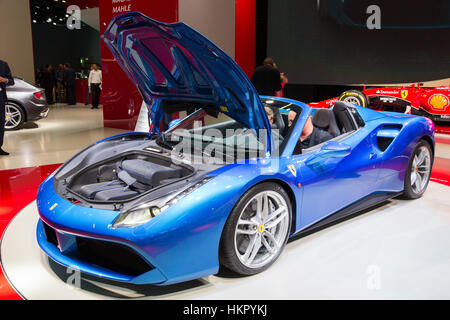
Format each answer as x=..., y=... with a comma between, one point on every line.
x=331, y=149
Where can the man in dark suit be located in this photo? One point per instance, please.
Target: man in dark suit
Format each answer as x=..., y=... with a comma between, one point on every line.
x=267, y=78
x=69, y=79
x=48, y=83
x=5, y=80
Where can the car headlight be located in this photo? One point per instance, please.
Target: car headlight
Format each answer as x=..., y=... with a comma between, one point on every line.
x=144, y=213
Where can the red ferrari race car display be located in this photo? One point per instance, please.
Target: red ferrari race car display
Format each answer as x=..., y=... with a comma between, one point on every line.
x=433, y=103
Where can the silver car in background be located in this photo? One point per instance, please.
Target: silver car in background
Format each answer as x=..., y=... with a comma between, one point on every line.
x=25, y=103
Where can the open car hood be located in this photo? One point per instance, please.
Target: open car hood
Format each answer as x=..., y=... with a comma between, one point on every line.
x=175, y=67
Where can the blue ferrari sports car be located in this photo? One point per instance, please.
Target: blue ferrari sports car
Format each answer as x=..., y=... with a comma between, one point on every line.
x=229, y=184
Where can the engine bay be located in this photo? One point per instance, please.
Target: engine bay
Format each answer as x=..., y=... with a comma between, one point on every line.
x=126, y=177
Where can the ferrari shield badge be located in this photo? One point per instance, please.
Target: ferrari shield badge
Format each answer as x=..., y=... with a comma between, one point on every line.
x=292, y=170
x=404, y=94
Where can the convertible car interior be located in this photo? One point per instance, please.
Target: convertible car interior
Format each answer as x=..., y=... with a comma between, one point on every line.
x=339, y=120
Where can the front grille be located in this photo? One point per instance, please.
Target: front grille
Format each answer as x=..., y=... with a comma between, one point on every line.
x=108, y=255
x=50, y=234
x=111, y=256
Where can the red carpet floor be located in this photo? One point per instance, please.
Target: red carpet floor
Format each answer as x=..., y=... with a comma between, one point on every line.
x=18, y=188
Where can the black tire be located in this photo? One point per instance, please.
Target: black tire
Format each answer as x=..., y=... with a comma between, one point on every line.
x=15, y=106
x=354, y=97
x=409, y=192
x=227, y=253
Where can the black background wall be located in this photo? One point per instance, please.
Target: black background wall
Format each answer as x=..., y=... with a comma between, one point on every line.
x=321, y=50
x=57, y=44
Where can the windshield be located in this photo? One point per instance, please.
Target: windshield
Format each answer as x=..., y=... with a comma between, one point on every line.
x=218, y=140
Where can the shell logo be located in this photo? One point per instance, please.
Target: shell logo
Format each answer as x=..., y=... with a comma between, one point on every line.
x=438, y=101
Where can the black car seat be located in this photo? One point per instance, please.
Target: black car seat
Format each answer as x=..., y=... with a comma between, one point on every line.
x=277, y=119
x=343, y=117
x=324, y=119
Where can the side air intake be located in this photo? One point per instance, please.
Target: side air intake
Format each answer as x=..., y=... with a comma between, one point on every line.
x=386, y=134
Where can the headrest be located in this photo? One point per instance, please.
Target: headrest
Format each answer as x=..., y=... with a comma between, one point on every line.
x=322, y=118
x=341, y=105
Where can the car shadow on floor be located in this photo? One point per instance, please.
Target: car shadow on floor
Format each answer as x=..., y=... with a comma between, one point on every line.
x=119, y=290
x=30, y=125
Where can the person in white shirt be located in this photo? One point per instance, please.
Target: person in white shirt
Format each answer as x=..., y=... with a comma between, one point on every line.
x=95, y=84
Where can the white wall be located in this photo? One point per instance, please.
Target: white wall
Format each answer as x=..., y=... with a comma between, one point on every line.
x=16, y=44
x=215, y=19
x=91, y=17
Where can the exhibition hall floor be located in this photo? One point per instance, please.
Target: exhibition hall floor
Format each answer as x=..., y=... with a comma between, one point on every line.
x=67, y=130
x=397, y=250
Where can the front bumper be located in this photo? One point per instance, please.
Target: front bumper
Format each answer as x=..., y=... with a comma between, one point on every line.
x=179, y=245
x=66, y=251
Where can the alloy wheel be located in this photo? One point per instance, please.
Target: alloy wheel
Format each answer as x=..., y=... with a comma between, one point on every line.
x=261, y=229
x=420, y=169
x=13, y=116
